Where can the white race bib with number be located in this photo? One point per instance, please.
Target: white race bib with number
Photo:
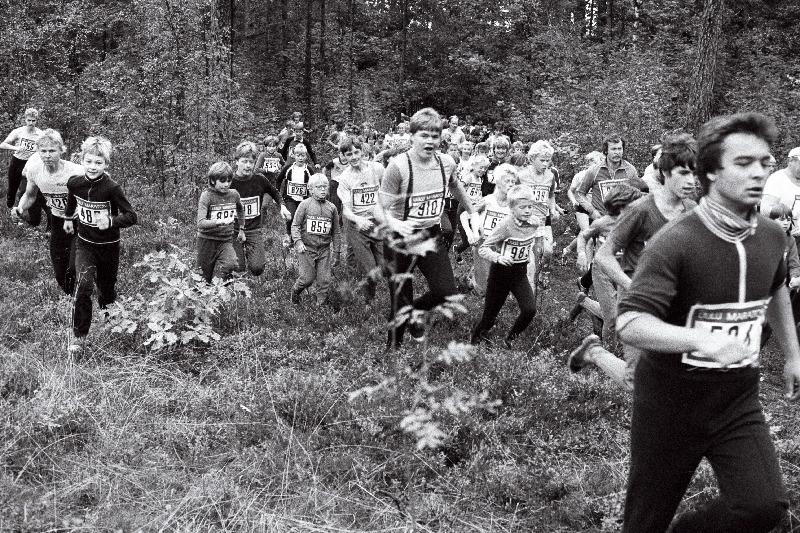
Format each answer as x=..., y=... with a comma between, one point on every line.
x=89, y=213
x=27, y=147
x=365, y=197
x=57, y=202
x=540, y=193
x=316, y=225
x=474, y=191
x=297, y=189
x=252, y=207
x=491, y=220
x=426, y=206
x=225, y=212
x=741, y=320
x=518, y=250
x=272, y=164
x=607, y=185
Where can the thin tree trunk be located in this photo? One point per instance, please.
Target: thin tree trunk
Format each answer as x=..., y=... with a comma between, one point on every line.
x=403, y=48
x=351, y=63
x=709, y=44
x=282, y=47
x=307, y=69
x=323, y=64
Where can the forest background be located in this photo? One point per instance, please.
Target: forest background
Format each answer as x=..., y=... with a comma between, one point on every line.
x=236, y=417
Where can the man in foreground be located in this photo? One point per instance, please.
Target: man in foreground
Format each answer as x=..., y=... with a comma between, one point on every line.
x=696, y=307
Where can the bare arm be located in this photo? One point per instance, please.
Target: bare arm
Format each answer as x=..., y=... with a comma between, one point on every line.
x=779, y=315
x=605, y=258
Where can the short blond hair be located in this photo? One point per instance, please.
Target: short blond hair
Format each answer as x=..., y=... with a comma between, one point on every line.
x=246, y=149
x=317, y=179
x=51, y=137
x=97, y=145
x=541, y=147
x=519, y=193
x=32, y=112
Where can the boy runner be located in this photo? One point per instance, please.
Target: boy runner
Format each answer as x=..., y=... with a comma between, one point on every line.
x=410, y=203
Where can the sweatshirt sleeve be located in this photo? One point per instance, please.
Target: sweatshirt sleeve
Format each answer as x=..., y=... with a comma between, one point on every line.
x=337, y=231
x=239, y=211
x=486, y=249
x=203, y=222
x=127, y=216
x=271, y=190
x=792, y=258
x=582, y=191
x=297, y=221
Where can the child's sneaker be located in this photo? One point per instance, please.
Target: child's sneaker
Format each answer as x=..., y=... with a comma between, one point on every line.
x=287, y=242
x=581, y=356
x=77, y=346
x=578, y=308
x=295, y=296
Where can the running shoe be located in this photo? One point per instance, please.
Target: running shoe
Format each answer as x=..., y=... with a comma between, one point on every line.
x=579, y=356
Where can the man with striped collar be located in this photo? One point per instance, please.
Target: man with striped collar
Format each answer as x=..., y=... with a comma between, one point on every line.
x=696, y=306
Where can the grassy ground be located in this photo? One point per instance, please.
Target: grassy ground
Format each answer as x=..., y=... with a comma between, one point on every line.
x=256, y=432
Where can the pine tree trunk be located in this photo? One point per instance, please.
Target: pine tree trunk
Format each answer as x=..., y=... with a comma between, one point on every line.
x=351, y=62
x=709, y=44
x=307, y=70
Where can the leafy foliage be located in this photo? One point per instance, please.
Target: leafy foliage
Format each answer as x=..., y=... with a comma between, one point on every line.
x=182, y=307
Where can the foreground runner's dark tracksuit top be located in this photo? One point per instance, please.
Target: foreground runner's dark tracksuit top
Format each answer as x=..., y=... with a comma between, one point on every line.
x=252, y=189
x=96, y=250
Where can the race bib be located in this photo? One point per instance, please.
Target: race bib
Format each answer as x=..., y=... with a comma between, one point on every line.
x=26, y=147
x=57, y=203
x=742, y=320
x=474, y=191
x=272, y=164
x=89, y=213
x=492, y=219
x=607, y=185
x=226, y=212
x=518, y=250
x=364, y=197
x=426, y=206
x=252, y=207
x=297, y=189
x=540, y=193
x=316, y=225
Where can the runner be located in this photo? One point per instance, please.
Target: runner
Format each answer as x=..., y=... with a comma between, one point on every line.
x=411, y=202
x=695, y=307
x=634, y=228
x=600, y=178
x=298, y=138
x=48, y=174
x=782, y=192
x=540, y=180
x=23, y=142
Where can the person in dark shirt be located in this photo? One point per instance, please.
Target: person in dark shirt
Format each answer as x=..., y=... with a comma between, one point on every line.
x=101, y=209
x=695, y=307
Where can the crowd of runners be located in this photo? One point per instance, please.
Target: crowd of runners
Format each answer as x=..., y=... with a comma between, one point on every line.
x=691, y=263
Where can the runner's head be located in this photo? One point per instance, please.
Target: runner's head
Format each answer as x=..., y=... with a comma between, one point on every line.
x=318, y=186
x=270, y=143
x=518, y=160
x=50, y=147
x=793, y=164
x=452, y=151
x=465, y=149
x=96, y=147
x=517, y=147
x=677, y=165
x=505, y=177
x=619, y=197
x=614, y=147
x=501, y=147
x=482, y=148
x=220, y=175
x=732, y=157
x=300, y=153
x=51, y=138
x=426, y=131
x=478, y=164
x=453, y=122
x=245, y=155
x=520, y=200
x=772, y=164
x=351, y=150
x=592, y=158
x=31, y=117
x=541, y=155
x=298, y=129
